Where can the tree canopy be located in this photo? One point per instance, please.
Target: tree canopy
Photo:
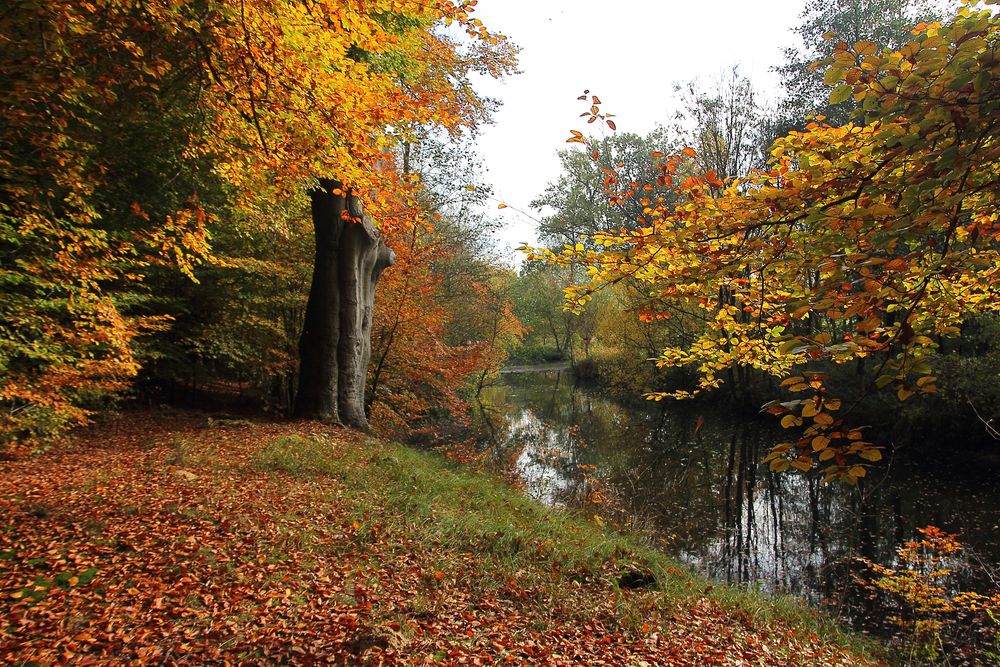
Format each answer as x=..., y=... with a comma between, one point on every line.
x=884, y=229
x=134, y=132
x=884, y=22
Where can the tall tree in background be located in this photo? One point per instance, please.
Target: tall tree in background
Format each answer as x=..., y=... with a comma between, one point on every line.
x=884, y=22
x=575, y=205
x=538, y=295
x=573, y=208
x=726, y=125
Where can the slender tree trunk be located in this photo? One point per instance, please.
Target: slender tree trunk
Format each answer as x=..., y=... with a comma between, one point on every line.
x=372, y=393
x=493, y=342
x=335, y=346
x=555, y=333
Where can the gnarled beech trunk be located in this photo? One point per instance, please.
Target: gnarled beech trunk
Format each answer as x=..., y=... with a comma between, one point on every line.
x=335, y=346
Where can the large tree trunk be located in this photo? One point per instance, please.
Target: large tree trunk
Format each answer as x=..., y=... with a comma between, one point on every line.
x=335, y=346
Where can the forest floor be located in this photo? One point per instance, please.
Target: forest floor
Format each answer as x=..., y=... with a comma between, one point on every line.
x=170, y=538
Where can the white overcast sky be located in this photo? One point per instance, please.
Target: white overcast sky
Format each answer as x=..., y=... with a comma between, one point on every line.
x=628, y=52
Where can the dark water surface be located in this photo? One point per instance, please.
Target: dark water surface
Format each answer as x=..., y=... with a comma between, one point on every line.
x=700, y=493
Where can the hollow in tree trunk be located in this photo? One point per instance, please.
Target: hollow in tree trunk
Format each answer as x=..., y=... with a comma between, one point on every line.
x=335, y=346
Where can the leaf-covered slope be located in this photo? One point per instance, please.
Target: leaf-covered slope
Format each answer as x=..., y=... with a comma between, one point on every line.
x=172, y=539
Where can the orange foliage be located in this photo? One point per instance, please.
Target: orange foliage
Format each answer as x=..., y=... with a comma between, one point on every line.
x=930, y=608
x=285, y=91
x=872, y=240
x=414, y=370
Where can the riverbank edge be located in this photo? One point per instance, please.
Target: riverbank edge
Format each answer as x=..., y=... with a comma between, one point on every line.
x=589, y=548
x=471, y=533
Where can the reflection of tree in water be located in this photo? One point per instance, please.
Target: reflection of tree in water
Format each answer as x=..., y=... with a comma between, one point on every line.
x=689, y=476
x=533, y=433
x=705, y=495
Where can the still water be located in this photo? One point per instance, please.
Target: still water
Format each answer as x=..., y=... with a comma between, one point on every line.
x=688, y=477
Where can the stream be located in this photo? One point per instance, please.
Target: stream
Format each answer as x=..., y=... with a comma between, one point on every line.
x=688, y=477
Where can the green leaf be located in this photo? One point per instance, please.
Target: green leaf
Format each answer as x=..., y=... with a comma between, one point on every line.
x=779, y=465
x=889, y=82
x=841, y=93
x=833, y=75
x=981, y=81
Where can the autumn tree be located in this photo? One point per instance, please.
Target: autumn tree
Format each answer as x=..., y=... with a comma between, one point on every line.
x=575, y=204
x=383, y=70
x=417, y=373
x=85, y=213
x=260, y=102
x=726, y=124
x=443, y=321
x=884, y=22
x=885, y=229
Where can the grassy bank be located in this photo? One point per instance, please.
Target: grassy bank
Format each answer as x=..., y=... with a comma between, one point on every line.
x=170, y=538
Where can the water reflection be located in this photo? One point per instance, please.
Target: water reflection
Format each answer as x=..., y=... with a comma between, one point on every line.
x=689, y=477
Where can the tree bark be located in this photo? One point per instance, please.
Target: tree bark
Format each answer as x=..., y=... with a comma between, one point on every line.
x=335, y=346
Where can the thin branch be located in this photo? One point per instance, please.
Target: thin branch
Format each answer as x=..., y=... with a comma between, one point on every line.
x=991, y=430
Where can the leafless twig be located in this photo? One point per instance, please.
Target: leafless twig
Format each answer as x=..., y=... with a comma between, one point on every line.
x=991, y=430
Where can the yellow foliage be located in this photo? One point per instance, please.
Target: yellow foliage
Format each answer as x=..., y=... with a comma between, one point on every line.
x=883, y=231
